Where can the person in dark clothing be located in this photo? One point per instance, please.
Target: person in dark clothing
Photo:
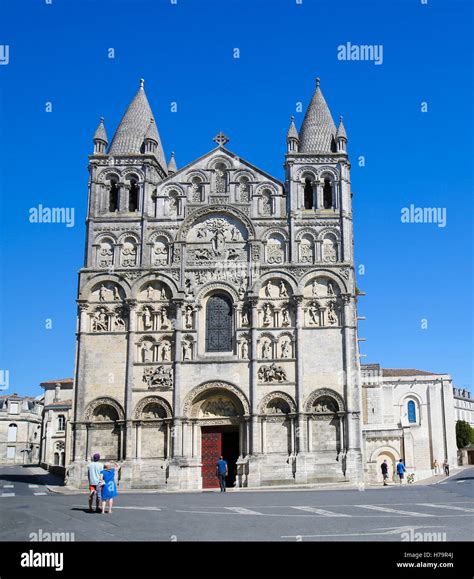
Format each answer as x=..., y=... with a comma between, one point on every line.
x=446, y=467
x=222, y=471
x=384, y=468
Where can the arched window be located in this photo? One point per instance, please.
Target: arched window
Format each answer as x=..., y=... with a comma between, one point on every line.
x=411, y=407
x=113, y=196
x=61, y=422
x=308, y=194
x=56, y=458
x=133, y=196
x=327, y=194
x=196, y=188
x=219, y=324
x=12, y=432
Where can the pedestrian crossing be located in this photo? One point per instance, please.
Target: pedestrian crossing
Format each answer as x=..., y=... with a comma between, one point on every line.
x=11, y=491
x=382, y=511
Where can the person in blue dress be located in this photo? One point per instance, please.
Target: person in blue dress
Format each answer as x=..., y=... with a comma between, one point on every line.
x=108, y=489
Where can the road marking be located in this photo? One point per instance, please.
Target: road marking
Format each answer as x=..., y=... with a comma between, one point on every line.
x=33, y=486
x=37, y=494
x=377, y=532
x=242, y=511
x=8, y=486
x=138, y=508
x=435, y=506
x=8, y=494
x=320, y=512
x=460, y=481
x=396, y=511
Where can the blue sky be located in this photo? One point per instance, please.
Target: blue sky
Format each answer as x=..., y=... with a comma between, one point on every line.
x=59, y=54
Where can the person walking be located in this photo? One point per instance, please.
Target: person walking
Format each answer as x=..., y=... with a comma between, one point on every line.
x=384, y=468
x=446, y=467
x=401, y=470
x=435, y=466
x=109, y=488
x=94, y=469
x=222, y=471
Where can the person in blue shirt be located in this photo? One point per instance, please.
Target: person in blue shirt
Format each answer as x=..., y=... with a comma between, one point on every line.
x=222, y=471
x=108, y=487
x=401, y=470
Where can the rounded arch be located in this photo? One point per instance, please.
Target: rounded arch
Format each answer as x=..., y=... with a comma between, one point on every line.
x=387, y=449
x=132, y=173
x=160, y=233
x=144, y=402
x=216, y=287
x=97, y=279
x=329, y=231
x=196, y=173
x=101, y=237
x=276, y=395
x=208, y=211
x=328, y=172
x=306, y=171
x=306, y=232
x=212, y=163
x=268, y=335
x=201, y=392
x=323, y=273
x=275, y=275
x=275, y=231
x=170, y=188
x=266, y=186
x=140, y=284
x=108, y=175
x=244, y=173
x=129, y=235
x=103, y=401
x=324, y=393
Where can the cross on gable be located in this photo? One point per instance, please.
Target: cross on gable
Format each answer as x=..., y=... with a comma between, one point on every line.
x=221, y=139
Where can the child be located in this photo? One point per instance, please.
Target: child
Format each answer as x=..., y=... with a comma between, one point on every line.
x=108, y=489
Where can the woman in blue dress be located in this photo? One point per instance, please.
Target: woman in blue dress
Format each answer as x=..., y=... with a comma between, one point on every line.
x=108, y=489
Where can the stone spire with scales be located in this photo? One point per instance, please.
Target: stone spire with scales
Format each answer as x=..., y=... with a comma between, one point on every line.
x=317, y=133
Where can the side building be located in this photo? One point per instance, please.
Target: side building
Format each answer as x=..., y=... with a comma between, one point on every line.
x=20, y=429
x=463, y=405
x=58, y=395
x=407, y=414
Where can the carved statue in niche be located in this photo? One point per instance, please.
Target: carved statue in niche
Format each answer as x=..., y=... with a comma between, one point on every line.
x=150, y=292
x=232, y=254
x=100, y=321
x=188, y=317
x=269, y=289
x=147, y=351
x=266, y=350
x=245, y=317
x=188, y=287
x=219, y=407
x=314, y=289
x=163, y=293
x=202, y=254
x=147, y=319
x=104, y=293
x=245, y=349
x=272, y=373
x=165, y=351
x=173, y=205
x=267, y=315
x=332, y=315
x=165, y=321
x=285, y=349
x=116, y=293
x=283, y=290
x=313, y=311
x=277, y=406
x=153, y=412
x=104, y=413
x=324, y=405
x=330, y=288
x=218, y=242
x=158, y=377
x=285, y=316
x=187, y=350
x=267, y=208
x=119, y=322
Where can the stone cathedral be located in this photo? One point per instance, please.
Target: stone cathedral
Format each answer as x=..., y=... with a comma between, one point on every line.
x=217, y=312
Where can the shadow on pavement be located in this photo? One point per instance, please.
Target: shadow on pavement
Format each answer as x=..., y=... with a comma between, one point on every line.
x=33, y=478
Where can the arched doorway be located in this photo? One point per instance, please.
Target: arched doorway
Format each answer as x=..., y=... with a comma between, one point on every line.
x=217, y=412
x=392, y=458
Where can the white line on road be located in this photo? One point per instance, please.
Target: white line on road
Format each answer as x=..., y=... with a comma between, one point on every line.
x=8, y=494
x=396, y=511
x=8, y=486
x=436, y=506
x=460, y=481
x=320, y=512
x=242, y=511
x=33, y=486
x=377, y=532
x=138, y=508
x=38, y=494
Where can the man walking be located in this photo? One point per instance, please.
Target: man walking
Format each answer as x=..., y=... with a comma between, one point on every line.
x=446, y=467
x=384, y=467
x=94, y=469
x=222, y=471
x=401, y=470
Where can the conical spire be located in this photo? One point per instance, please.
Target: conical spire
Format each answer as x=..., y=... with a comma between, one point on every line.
x=172, y=164
x=133, y=127
x=100, y=134
x=318, y=130
x=292, y=132
x=341, y=131
x=152, y=132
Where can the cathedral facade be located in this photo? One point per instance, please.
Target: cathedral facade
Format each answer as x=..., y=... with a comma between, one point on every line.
x=217, y=312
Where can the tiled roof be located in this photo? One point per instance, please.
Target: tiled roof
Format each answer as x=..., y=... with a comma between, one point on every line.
x=292, y=132
x=341, y=131
x=60, y=403
x=61, y=381
x=393, y=372
x=133, y=127
x=318, y=129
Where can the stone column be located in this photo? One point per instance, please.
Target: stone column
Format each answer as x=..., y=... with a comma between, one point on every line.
x=177, y=448
x=138, y=451
x=128, y=446
x=298, y=301
x=253, y=376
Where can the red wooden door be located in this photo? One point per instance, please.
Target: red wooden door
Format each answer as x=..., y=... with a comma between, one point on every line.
x=211, y=449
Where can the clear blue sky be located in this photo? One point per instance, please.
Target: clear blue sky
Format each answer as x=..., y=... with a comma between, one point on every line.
x=58, y=54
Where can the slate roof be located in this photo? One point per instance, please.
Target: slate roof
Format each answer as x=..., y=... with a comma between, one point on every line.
x=100, y=131
x=318, y=129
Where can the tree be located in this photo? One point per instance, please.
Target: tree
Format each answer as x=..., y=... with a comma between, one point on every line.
x=464, y=433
